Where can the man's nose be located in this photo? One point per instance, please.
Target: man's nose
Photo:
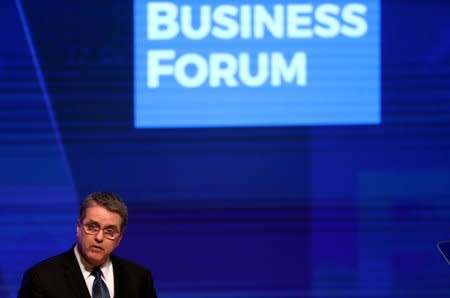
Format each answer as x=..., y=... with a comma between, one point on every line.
x=99, y=236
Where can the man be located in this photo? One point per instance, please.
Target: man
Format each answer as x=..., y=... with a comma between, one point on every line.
x=89, y=269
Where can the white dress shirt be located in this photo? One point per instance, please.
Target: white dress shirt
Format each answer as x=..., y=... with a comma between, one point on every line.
x=86, y=269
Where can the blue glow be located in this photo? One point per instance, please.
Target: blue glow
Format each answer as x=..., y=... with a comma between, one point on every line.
x=322, y=70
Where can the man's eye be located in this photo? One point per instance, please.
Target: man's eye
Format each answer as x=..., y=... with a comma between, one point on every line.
x=93, y=227
x=109, y=231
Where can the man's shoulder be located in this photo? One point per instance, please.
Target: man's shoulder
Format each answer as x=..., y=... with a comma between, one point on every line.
x=128, y=265
x=134, y=280
x=52, y=262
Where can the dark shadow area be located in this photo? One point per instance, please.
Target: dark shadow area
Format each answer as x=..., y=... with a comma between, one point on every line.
x=3, y=286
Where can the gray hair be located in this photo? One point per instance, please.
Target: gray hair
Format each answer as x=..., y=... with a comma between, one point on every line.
x=108, y=200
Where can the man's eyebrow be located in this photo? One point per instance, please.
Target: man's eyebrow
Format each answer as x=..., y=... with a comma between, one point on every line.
x=105, y=227
x=90, y=221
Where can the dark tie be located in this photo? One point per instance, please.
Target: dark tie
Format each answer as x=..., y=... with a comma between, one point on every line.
x=99, y=288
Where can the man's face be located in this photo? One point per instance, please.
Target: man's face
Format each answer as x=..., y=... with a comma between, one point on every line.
x=96, y=248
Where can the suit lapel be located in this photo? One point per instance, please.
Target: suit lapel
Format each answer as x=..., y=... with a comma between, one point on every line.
x=74, y=277
x=119, y=279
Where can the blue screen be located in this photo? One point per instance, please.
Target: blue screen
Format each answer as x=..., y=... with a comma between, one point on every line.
x=215, y=64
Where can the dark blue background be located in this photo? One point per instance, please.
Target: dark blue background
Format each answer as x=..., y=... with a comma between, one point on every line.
x=344, y=211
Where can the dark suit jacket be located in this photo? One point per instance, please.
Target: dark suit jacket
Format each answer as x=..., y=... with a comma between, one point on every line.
x=61, y=276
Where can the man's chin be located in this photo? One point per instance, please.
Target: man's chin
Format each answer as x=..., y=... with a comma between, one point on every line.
x=96, y=258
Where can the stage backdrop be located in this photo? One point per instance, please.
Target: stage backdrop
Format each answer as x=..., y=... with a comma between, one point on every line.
x=265, y=149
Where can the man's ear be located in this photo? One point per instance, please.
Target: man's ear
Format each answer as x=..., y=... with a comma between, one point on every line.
x=119, y=239
x=78, y=226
